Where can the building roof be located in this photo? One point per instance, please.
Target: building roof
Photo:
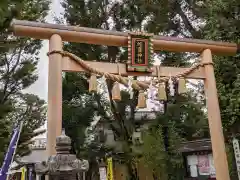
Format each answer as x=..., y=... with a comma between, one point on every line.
x=197, y=145
x=38, y=154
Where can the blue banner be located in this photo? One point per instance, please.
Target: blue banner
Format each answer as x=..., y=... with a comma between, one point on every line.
x=10, y=153
x=30, y=173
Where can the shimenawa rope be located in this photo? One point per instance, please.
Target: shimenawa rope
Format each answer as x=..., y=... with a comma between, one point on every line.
x=123, y=80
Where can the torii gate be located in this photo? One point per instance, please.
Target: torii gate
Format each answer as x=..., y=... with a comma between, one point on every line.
x=59, y=33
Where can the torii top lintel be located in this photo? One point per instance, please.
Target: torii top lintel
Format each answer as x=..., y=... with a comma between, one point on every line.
x=115, y=38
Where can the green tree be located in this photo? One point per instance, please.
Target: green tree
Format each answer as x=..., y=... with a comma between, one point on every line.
x=30, y=110
x=159, y=17
x=222, y=23
x=18, y=62
x=80, y=109
x=182, y=120
x=165, y=165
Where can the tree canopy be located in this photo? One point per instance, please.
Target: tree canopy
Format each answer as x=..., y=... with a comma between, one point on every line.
x=183, y=115
x=18, y=63
x=222, y=23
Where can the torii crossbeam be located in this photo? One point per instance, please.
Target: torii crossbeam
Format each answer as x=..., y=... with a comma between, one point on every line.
x=59, y=33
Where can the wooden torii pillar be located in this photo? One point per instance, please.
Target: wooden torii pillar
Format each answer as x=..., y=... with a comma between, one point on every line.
x=59, y=33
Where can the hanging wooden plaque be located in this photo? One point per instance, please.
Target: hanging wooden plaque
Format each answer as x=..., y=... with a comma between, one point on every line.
x=140, y=52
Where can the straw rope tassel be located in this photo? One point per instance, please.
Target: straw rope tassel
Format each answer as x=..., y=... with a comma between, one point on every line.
x=162, y=95
x=116, y=93
x=141, y=100
x=182, y=86
x=93, y=83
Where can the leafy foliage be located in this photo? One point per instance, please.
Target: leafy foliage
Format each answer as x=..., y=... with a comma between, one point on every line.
x=18, y=60
x=222, y=23
x=141, y=15
x=184, y=116
x=183, y=120
x=80, y=110
x=154, y=152
x=32, y=111
x=225, y=16
x=77, y=108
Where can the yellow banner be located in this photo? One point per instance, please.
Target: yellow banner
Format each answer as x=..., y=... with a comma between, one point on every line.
x=23, y=170
x=109, y=169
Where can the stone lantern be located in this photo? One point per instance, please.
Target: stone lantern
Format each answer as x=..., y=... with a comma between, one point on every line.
x=63, y=165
